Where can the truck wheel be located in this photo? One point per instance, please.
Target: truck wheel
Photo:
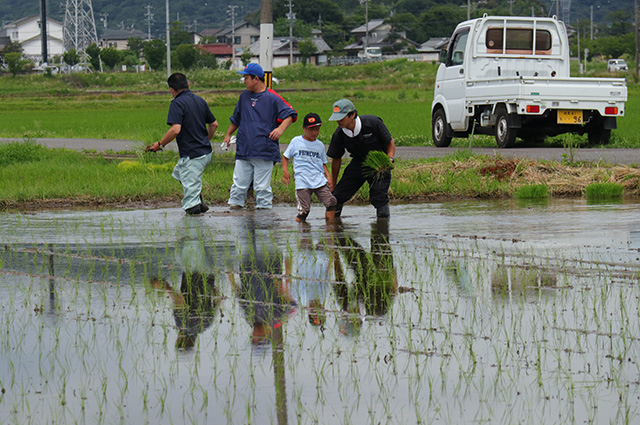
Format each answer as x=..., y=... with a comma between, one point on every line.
x=598, y=135
x=439, y=127
x=505, y=135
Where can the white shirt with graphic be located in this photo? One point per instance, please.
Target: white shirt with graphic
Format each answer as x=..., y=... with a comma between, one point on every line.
x=308, y=161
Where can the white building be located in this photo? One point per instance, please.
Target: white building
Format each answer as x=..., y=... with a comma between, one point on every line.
x=26, y=31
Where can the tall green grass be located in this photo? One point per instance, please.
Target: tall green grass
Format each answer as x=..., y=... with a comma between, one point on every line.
x=597, y=191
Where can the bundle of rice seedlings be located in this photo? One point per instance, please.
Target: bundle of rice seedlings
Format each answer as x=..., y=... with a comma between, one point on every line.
x=375, y=164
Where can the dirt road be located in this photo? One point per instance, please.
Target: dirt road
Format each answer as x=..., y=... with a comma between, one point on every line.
x=610, y=156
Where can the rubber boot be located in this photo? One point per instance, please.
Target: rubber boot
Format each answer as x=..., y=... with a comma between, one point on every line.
x=383, y=211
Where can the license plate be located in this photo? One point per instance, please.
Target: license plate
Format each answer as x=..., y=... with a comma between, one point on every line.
x=569, y=117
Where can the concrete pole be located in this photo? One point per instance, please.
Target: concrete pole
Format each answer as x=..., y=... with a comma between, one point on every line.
x=43, y=30
x=168, y=41
x=266, y=40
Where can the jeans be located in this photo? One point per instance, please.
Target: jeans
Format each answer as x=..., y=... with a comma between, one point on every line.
x=189, y=173
x=247, y=171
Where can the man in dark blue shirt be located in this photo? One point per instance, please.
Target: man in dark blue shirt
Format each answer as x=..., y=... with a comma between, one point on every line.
x=193, y=126
x=261, y=116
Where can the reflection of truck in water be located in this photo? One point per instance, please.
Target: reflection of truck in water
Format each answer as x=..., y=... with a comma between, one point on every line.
x=509, y=76
x=370, y=53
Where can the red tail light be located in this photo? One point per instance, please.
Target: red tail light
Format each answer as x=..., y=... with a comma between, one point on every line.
x=611, y=110
x=533, y=109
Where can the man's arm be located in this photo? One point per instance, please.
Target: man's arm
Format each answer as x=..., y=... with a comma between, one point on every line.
x=211, y=129
x=169, y=136
x=335, y=169
x=278, y=131
x=232, y=129
x=391, y=149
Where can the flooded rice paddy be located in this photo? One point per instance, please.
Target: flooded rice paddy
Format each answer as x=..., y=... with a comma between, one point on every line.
x=461, y=312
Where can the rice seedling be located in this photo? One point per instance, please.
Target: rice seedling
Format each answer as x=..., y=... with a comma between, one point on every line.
x=600, y=191
x=534, y=191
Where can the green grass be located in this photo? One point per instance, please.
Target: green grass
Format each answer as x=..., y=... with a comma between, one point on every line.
x=596, y=191
x=532, y=191
x=134, y=106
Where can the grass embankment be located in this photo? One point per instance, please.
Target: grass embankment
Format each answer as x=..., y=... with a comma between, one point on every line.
x=134, y=106
x=37, y=177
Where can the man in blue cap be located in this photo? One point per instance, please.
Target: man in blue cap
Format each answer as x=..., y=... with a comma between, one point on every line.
x=359, y=135
x=261, y=117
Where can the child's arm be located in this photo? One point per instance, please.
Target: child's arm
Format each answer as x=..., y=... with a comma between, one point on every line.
x=285, y=170
x=328, y=175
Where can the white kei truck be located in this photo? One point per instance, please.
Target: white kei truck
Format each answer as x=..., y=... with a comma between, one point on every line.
x=509, y=76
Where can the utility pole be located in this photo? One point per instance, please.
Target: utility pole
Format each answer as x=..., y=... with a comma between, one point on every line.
x=592, y=22
x=468, y=9
x=291, y=16
x=43, y=30
x=104, y=19
x=266, y=40
x=149, y=18
x=232, y=12
x=168, y=35
x=320, y=21
x=637, y=59
x=366, y=23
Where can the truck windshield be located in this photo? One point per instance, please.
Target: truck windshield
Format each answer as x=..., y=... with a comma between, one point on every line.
x=519, y=41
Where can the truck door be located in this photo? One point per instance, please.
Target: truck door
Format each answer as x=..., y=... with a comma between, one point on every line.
x=453, y=83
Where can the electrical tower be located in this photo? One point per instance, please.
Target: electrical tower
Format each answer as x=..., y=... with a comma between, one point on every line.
x=149, y=18
x=79, y=29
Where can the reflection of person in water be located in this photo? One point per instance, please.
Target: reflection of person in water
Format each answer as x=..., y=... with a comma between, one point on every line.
x=375, y=282
x=197, y=300
x=263, y=294
x=195, y=305
x=309, y=280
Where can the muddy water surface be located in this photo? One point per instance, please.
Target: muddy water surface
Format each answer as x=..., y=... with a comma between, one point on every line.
x=489, y=312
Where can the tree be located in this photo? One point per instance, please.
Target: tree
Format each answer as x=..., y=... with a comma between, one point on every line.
x=71, y=57
x=135, y=44
x=110, y=57
x=94, y=56
x=15, y=63
x=154, y=53
x=179, y=35
x=307, y=48
x=245, y=57
x=206, y=60
x=620, y=22
x=186, y=55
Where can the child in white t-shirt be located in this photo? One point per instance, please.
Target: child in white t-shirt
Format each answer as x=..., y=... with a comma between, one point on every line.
x=309, y=169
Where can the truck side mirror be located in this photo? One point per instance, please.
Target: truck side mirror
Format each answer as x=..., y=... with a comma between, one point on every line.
x=443, y=56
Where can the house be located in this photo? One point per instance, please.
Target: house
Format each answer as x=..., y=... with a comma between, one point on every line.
x=244, y=35
x=26, y=31
x=284, y=49
x=430, y=49
x=377, y=31
x=118, y=39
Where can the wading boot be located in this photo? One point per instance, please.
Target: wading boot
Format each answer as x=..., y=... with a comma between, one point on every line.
x=383, y=211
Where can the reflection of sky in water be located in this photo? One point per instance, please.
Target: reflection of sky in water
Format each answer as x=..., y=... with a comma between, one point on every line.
x=495, y=310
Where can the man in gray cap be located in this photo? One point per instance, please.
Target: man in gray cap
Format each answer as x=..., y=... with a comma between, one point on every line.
x=359, y=135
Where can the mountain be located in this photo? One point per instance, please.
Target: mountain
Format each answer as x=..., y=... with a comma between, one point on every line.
x=197, y=15
x=194, y=14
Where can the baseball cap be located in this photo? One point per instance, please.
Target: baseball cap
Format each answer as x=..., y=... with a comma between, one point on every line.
x=341, y=108
x=312, y=120
x=253, y=69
